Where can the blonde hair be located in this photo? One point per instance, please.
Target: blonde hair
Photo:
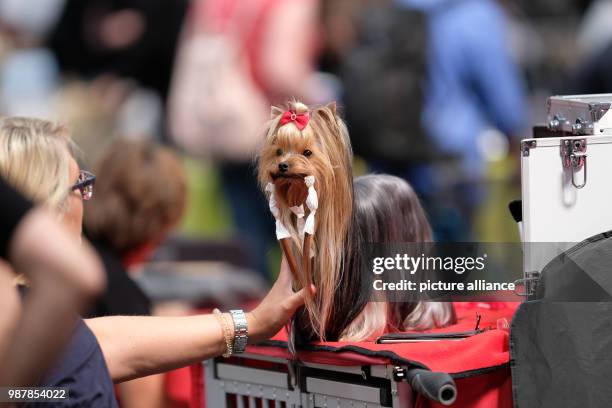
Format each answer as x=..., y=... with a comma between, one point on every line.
x=369, y=324
x=35, y=159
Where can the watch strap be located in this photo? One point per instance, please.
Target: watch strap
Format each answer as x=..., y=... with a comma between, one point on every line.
x=241, y=332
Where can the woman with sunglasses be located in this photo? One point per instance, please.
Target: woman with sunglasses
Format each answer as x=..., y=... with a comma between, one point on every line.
x=36, y=158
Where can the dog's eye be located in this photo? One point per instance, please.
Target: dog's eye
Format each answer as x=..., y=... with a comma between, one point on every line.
x=279, y=152
x=307, y=153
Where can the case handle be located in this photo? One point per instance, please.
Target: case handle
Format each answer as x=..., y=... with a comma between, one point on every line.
x=578, y=161
x=574, y=158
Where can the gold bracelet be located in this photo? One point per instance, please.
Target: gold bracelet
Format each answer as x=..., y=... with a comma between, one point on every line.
x=228, y=333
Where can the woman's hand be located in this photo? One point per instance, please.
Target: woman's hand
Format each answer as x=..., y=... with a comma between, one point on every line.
x=277, y=307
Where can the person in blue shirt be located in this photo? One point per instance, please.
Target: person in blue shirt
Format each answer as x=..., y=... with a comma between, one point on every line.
x=473, y=86
x=473, y=83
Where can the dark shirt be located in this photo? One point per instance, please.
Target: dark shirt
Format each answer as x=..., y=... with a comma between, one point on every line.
x=77, y=45
x=122, y=296
x=594, y=76
x=82, y=369
x=13, y=207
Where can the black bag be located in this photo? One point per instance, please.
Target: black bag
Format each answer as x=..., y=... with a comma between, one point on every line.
x=560, y=344
x=383, y=77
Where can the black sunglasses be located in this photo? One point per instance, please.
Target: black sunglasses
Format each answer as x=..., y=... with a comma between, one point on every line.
x=85, y=184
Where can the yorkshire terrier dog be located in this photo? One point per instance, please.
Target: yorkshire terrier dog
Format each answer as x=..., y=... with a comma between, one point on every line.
x=306, y=169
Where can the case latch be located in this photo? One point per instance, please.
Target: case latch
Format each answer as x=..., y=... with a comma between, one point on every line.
x=529, y=284
x=574, y=157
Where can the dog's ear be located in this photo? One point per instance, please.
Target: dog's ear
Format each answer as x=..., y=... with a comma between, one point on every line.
x=332, y=107
x=275, y=111
x=328, y=113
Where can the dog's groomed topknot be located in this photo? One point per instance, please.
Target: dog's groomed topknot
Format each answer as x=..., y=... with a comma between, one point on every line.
x=298, y=107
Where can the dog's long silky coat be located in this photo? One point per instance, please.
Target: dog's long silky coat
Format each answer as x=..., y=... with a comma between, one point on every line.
x=323, y=150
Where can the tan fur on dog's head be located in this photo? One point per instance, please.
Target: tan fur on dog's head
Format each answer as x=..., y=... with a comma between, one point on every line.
x=322, y=149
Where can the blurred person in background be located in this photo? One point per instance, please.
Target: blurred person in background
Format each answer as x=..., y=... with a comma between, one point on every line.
x=472, y=98
x=117, y=348
x=388, y=211
x=243, y=55
x=593, y=74
x=126, y=38
x=104, y=65
x=126, y=48
x=29, y=75
x=139, y=200
x=595, y=31
x=30, y=336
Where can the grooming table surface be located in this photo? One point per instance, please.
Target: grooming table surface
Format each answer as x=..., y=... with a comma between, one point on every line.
x=479, y=364
x=486, y=350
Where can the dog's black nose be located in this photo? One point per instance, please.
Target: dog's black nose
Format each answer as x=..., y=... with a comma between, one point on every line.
x=283, y=167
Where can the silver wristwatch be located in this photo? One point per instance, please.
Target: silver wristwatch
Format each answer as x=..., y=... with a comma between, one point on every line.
x=241, y=331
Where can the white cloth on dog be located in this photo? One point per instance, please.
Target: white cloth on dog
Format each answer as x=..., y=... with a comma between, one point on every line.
x=281, y=231
x=312, y=202
x=304, y=225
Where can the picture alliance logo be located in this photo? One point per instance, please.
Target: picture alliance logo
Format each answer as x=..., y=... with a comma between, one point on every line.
x=412, y=264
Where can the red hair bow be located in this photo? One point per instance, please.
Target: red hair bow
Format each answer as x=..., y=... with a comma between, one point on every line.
x=300, y=119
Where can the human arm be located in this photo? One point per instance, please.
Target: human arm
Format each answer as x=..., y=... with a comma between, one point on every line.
x=145, y=392
x=136, y=346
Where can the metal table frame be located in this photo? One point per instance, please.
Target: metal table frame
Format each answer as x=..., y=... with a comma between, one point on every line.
x=239, y=383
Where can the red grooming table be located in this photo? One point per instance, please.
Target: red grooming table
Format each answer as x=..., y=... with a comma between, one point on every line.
x=478, y=364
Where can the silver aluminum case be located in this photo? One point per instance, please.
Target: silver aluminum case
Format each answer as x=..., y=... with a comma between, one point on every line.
x=557, y=214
